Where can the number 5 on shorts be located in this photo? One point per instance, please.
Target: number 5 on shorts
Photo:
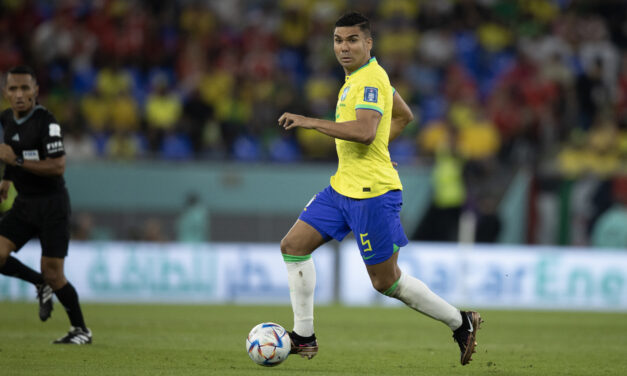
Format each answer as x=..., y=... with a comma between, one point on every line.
x=366, y=244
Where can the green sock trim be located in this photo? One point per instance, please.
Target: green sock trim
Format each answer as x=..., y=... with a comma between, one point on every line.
x=293, y=258
x=391, y=290
x=396, y=248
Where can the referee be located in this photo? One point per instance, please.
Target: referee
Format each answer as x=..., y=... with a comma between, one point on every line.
x=33, y=153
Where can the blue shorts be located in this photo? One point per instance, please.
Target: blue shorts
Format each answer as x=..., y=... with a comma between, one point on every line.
x=375, y=221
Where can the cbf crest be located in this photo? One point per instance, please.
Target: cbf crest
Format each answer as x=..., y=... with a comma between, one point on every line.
x=371, y=94
x=345, y=93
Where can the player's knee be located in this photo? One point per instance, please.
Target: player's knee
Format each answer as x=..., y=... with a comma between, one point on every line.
x=55, y=281
x=4, y=255
x=295, y=246
x=287, y=246
x=382, y=284
x=6, y=247
x=53, y=277
x=50, y=277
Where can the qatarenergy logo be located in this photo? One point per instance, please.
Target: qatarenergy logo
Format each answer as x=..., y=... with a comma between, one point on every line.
x=478, y=276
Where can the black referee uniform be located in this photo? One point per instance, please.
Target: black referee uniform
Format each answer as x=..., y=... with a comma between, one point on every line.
x=34, y=156
x=42, y=206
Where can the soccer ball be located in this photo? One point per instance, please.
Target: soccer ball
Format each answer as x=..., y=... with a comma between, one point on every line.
x=268, y=344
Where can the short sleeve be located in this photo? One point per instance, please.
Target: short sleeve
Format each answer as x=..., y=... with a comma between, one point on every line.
x=370, y=97
x=52, y=138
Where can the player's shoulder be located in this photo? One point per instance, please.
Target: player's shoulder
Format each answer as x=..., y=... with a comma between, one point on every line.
x=378, y=74
x=6, y=115
x=41, y=113
x=43, y=122
x=43, y=118
x=382, y=74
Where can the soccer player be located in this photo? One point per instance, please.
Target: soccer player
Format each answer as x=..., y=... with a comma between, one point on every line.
x=364, y=196
x=35, y=161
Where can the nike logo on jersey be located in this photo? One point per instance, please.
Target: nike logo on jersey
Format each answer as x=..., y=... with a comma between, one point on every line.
x=16, y=138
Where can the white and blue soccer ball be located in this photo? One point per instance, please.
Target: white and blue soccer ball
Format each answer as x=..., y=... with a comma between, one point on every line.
x=268, y=344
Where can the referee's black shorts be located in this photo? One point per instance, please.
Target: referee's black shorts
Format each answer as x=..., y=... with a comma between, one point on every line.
x=46, y=217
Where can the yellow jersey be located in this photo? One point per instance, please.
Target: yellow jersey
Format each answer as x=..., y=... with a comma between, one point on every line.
x=365, y=171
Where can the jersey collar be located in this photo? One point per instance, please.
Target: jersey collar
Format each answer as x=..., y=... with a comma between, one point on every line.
x=372, y=60
x=25, y=118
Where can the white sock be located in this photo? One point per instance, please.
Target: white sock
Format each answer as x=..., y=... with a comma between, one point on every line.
x=301, y=278
x=417, y=296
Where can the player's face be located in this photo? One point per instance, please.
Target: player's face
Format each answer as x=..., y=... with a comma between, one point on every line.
x=21, y=90
x=352, y=47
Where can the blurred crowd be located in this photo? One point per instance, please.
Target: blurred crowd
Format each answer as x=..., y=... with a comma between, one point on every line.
x=494, y=84
x=519, y=80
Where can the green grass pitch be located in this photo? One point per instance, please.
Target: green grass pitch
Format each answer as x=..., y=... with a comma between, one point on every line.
x=210, y=340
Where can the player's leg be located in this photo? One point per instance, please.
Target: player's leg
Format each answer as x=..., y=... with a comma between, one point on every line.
x=318, y=222
x=301, y=240
x=14, y=233
x=296, y=248
x=377, y=221
x=388, y=279
x=53, y=271
x=12, y=267
x=55, y=239
x=379, y=232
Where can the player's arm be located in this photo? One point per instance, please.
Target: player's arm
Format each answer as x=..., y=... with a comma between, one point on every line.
x=362, y=130
x=46, y=167
x=401, y=116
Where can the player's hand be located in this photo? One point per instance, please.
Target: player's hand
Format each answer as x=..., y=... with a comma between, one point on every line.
x=394, y=164
x=6, y=154
x=4, y=189
x=289, y=121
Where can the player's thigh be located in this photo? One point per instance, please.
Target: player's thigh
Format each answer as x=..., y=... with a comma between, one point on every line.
x=302, y=239
x=320, y=221
x=15, y=231
x=55, y=239
x=377, y=227
x=54, y=233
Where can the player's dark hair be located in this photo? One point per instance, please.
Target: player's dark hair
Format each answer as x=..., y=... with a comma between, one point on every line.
x=355, y=19
x=23, y=69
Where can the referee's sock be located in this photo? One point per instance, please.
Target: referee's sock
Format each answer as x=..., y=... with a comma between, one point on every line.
x=69, y=298
x=14, y=268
